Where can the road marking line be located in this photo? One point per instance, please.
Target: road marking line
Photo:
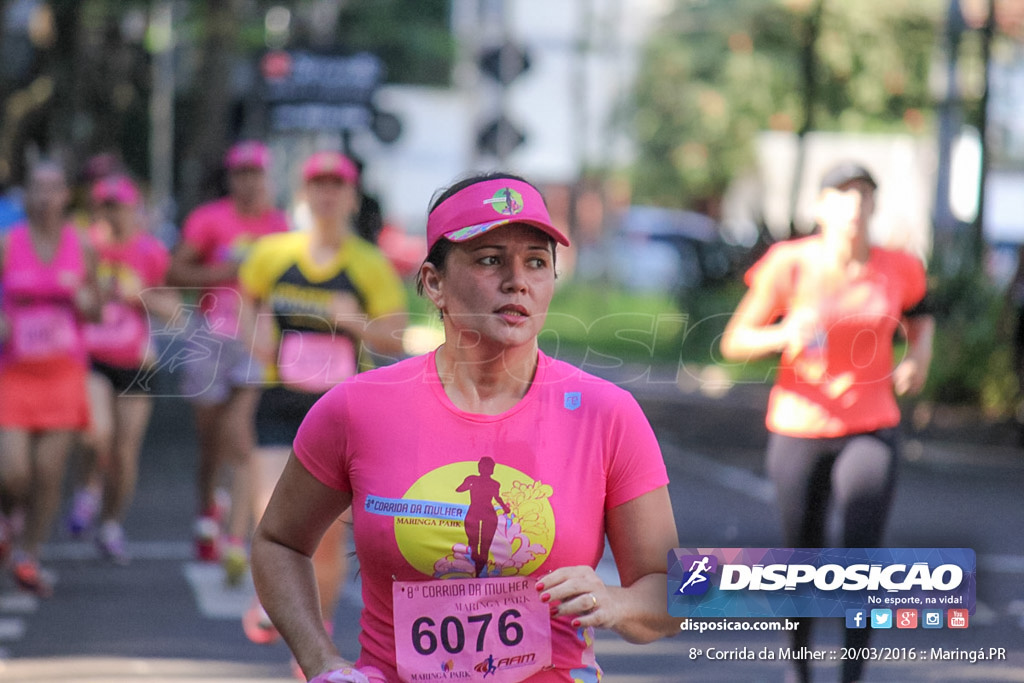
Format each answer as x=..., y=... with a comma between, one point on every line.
x=138, y=550
x=215, y=599
x=1004, y=564
x=18, y=602
x=12, y=629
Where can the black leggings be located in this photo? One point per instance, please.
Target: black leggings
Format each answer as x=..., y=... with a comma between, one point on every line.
x=853, y=474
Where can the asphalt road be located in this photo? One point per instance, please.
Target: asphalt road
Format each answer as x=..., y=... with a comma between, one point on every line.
x=167, y=618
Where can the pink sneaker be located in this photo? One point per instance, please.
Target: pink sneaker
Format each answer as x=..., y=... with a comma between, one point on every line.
x=31, y=578
x=257, y=625
x=207, y=533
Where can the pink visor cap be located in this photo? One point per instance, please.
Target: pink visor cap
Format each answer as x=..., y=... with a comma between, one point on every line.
x=487, y=205
x=330, y=164
x=117, y=188
x=247, y=154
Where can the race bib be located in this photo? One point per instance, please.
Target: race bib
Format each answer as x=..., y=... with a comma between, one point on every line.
x=43, y=332
x=471, y=629
x=120, y=339
x=314, y=362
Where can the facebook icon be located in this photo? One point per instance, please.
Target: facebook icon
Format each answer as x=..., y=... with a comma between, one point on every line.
x=856, y=618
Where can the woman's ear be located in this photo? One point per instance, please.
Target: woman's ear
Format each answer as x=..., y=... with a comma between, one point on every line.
x=433, y=284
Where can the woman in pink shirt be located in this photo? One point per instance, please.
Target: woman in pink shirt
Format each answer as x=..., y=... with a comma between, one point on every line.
x=131, y=270
x=483, y=480
x=48, y=277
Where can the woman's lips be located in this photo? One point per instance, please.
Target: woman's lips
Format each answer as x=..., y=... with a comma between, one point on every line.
x=513, y=313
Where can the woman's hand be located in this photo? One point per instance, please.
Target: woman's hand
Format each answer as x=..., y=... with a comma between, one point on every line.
x=801, y=328
x=580, y=593
x=909, y=376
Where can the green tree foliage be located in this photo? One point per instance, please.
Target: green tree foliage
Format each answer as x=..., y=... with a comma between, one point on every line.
x=715, y=73
x=411, y=36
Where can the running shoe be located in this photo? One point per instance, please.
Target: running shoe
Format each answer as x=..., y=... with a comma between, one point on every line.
x=207, y=530
x=112, y=544
x=31, y=578
x=235, y=561
x=257, y=625
x=84, y=507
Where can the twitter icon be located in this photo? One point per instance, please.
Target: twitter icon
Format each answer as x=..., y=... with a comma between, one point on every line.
x=881, y=618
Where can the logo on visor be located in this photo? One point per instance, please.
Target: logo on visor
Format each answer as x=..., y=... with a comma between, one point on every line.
x=506, y=201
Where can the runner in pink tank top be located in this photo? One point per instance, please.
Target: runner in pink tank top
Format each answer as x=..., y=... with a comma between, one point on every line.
x=38, y=300
x=49, y=290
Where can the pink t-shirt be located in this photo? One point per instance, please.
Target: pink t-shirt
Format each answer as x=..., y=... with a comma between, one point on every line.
x=122, y=337
x=572, y=448
x=842, y=384
x=38, y=300
x=220, y=234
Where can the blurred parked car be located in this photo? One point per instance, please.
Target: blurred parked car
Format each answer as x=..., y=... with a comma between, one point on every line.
x=667, y=250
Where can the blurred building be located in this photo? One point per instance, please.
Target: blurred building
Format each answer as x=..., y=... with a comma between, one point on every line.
x=582, y=57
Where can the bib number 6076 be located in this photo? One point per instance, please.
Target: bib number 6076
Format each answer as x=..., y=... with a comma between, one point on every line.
x=452, y=633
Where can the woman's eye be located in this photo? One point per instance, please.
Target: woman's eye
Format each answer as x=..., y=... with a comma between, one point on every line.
x=489, y=261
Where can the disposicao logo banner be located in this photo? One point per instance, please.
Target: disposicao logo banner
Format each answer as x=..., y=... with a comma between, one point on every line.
x=816, y=582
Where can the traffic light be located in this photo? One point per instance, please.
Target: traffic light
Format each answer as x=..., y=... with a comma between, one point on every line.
x=499, y=137
x=504, y=63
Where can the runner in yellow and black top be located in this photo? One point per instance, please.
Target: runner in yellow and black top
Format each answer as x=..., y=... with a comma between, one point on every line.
x=320, y=295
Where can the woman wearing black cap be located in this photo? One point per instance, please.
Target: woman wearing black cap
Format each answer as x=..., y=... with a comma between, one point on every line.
x=830, y=305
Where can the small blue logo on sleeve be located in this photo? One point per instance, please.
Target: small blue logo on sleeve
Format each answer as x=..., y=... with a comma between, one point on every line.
x=573, y=400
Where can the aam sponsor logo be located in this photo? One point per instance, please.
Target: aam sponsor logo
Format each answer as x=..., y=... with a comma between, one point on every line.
x=492, y=665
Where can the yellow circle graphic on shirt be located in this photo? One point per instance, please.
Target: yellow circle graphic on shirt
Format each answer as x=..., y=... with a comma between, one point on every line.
x=476, y=519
